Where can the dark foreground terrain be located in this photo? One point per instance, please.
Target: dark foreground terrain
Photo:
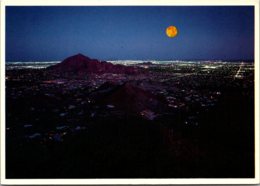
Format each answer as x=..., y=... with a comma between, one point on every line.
x=171, y=121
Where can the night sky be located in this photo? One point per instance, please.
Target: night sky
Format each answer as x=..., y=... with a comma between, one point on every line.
x=112, y=33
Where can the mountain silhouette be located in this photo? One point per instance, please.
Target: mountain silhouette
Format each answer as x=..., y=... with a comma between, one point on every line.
x=128, y=97
x=81, y=64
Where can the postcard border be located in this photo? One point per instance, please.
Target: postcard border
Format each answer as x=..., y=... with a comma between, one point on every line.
x=5, y=3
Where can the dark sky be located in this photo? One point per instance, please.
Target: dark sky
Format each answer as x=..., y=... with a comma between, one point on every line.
x=109, y=33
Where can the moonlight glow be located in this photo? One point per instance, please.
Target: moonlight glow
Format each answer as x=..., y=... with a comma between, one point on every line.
x=171, y=31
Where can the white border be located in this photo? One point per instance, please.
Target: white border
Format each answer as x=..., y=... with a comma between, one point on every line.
x=127, y=3
x=2, y=90
x=257, y=91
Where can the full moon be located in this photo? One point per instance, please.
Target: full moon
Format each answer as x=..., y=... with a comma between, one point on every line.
x=171, y=31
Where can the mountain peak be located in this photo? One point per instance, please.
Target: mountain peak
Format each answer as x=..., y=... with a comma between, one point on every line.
x=130, y=96
x=81, y=64
x=79, y=56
